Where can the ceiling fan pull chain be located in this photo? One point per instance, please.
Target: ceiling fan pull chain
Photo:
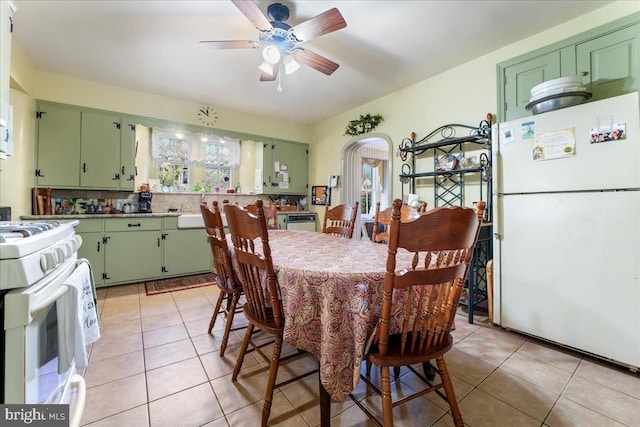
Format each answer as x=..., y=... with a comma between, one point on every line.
x=279, y=74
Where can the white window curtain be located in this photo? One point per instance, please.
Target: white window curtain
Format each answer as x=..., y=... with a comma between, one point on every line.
x=375, y=184
x=197, y=147
x=352, y=189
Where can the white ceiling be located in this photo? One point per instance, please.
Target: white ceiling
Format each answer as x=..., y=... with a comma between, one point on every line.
x=152, y=46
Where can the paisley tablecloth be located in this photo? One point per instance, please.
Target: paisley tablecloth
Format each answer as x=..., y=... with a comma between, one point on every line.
x=331, y=291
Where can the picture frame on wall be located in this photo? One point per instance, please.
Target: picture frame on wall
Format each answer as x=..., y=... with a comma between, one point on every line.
x=320, y=195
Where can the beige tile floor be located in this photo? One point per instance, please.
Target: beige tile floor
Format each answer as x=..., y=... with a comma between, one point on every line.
x=155, y=365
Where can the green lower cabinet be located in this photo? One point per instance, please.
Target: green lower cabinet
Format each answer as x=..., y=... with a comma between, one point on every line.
x=129, y=250
x=92, y=250
x=91, y=231
x=132, y=256
x=282, y=221
x=185, y=252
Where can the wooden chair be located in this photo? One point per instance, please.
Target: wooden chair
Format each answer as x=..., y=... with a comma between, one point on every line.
x=230, y=289
x=442, y=241
x=263, y=307
x=384, y=217
x=270, y=214
x=340, y=220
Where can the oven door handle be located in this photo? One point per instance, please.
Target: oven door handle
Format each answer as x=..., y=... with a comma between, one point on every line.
x=78, y=381
x=50, y=299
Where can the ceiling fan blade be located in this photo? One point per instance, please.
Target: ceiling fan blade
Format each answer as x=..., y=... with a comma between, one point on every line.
x=253, y=14
x=265, y=77
x=326, y=22
x=228, y=44
x=315, y=61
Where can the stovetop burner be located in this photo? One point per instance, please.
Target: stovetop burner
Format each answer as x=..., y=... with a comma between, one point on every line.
x=11, y=231
x=30, y=250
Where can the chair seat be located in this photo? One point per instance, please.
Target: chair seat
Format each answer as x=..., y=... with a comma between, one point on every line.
x=268, y=326
x=227, y=286
x=394, y=357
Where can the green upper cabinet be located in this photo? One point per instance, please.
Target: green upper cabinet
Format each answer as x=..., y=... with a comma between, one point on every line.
x=100, y=151
x=264, y=167
x=281, y=167
x=58, y=148
x=521, y=77
x=285, y=167
x=79, y=148
x=610, y=63
x=299, y=169
x=127, y=155
x=607, y=57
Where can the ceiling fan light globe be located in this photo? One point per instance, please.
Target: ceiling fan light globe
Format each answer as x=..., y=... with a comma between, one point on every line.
x=267, y=68
x=290, y=64
x=271, y=54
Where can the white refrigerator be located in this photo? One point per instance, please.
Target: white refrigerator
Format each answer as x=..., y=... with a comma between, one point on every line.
x=567, y=227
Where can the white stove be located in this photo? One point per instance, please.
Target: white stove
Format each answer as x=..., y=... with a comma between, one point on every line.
x=31, y=250
x=39, y=305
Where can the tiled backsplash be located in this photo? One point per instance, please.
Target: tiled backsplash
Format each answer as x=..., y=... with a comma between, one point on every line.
x=78, y=201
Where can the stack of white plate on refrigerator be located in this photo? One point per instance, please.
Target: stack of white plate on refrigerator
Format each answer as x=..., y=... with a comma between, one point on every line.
x=557, y=93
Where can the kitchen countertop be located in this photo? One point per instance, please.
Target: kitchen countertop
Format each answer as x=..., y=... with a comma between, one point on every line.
x=99, y=216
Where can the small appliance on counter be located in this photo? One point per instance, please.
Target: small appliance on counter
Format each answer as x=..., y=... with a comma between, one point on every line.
x=5, y=213
x=144, y=202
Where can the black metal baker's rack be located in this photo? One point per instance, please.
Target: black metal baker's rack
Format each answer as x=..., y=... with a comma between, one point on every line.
x=448, y=185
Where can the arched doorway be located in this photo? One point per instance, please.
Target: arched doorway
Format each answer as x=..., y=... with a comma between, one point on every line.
x=367, y=170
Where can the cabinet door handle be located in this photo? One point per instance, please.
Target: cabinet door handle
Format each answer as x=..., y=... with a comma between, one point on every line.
x=158, y=242
x=584, y=73
x=84, y=168
x=123, y=170
x=98, y=248
x=134, y=225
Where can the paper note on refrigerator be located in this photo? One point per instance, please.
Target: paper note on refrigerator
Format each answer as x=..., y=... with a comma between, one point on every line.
x=554, y=145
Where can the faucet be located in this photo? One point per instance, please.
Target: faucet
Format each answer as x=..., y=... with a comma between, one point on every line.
x=182, y=205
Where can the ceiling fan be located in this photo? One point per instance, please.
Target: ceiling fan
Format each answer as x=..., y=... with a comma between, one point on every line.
x=281, y=42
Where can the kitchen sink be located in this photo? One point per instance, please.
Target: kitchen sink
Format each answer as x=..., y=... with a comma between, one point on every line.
x=194, y=221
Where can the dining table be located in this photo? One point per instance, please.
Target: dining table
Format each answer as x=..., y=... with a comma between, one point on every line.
x=331, y=290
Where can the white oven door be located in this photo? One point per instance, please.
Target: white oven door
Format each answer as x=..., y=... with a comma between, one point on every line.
x=33, y=338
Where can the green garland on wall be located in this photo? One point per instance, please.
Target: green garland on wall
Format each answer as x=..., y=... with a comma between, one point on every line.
x=364, y=124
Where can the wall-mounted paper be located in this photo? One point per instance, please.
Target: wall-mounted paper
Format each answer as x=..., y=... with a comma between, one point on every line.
x=258, y=179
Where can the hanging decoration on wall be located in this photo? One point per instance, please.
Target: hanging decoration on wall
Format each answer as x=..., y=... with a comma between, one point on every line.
x=364, y=124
